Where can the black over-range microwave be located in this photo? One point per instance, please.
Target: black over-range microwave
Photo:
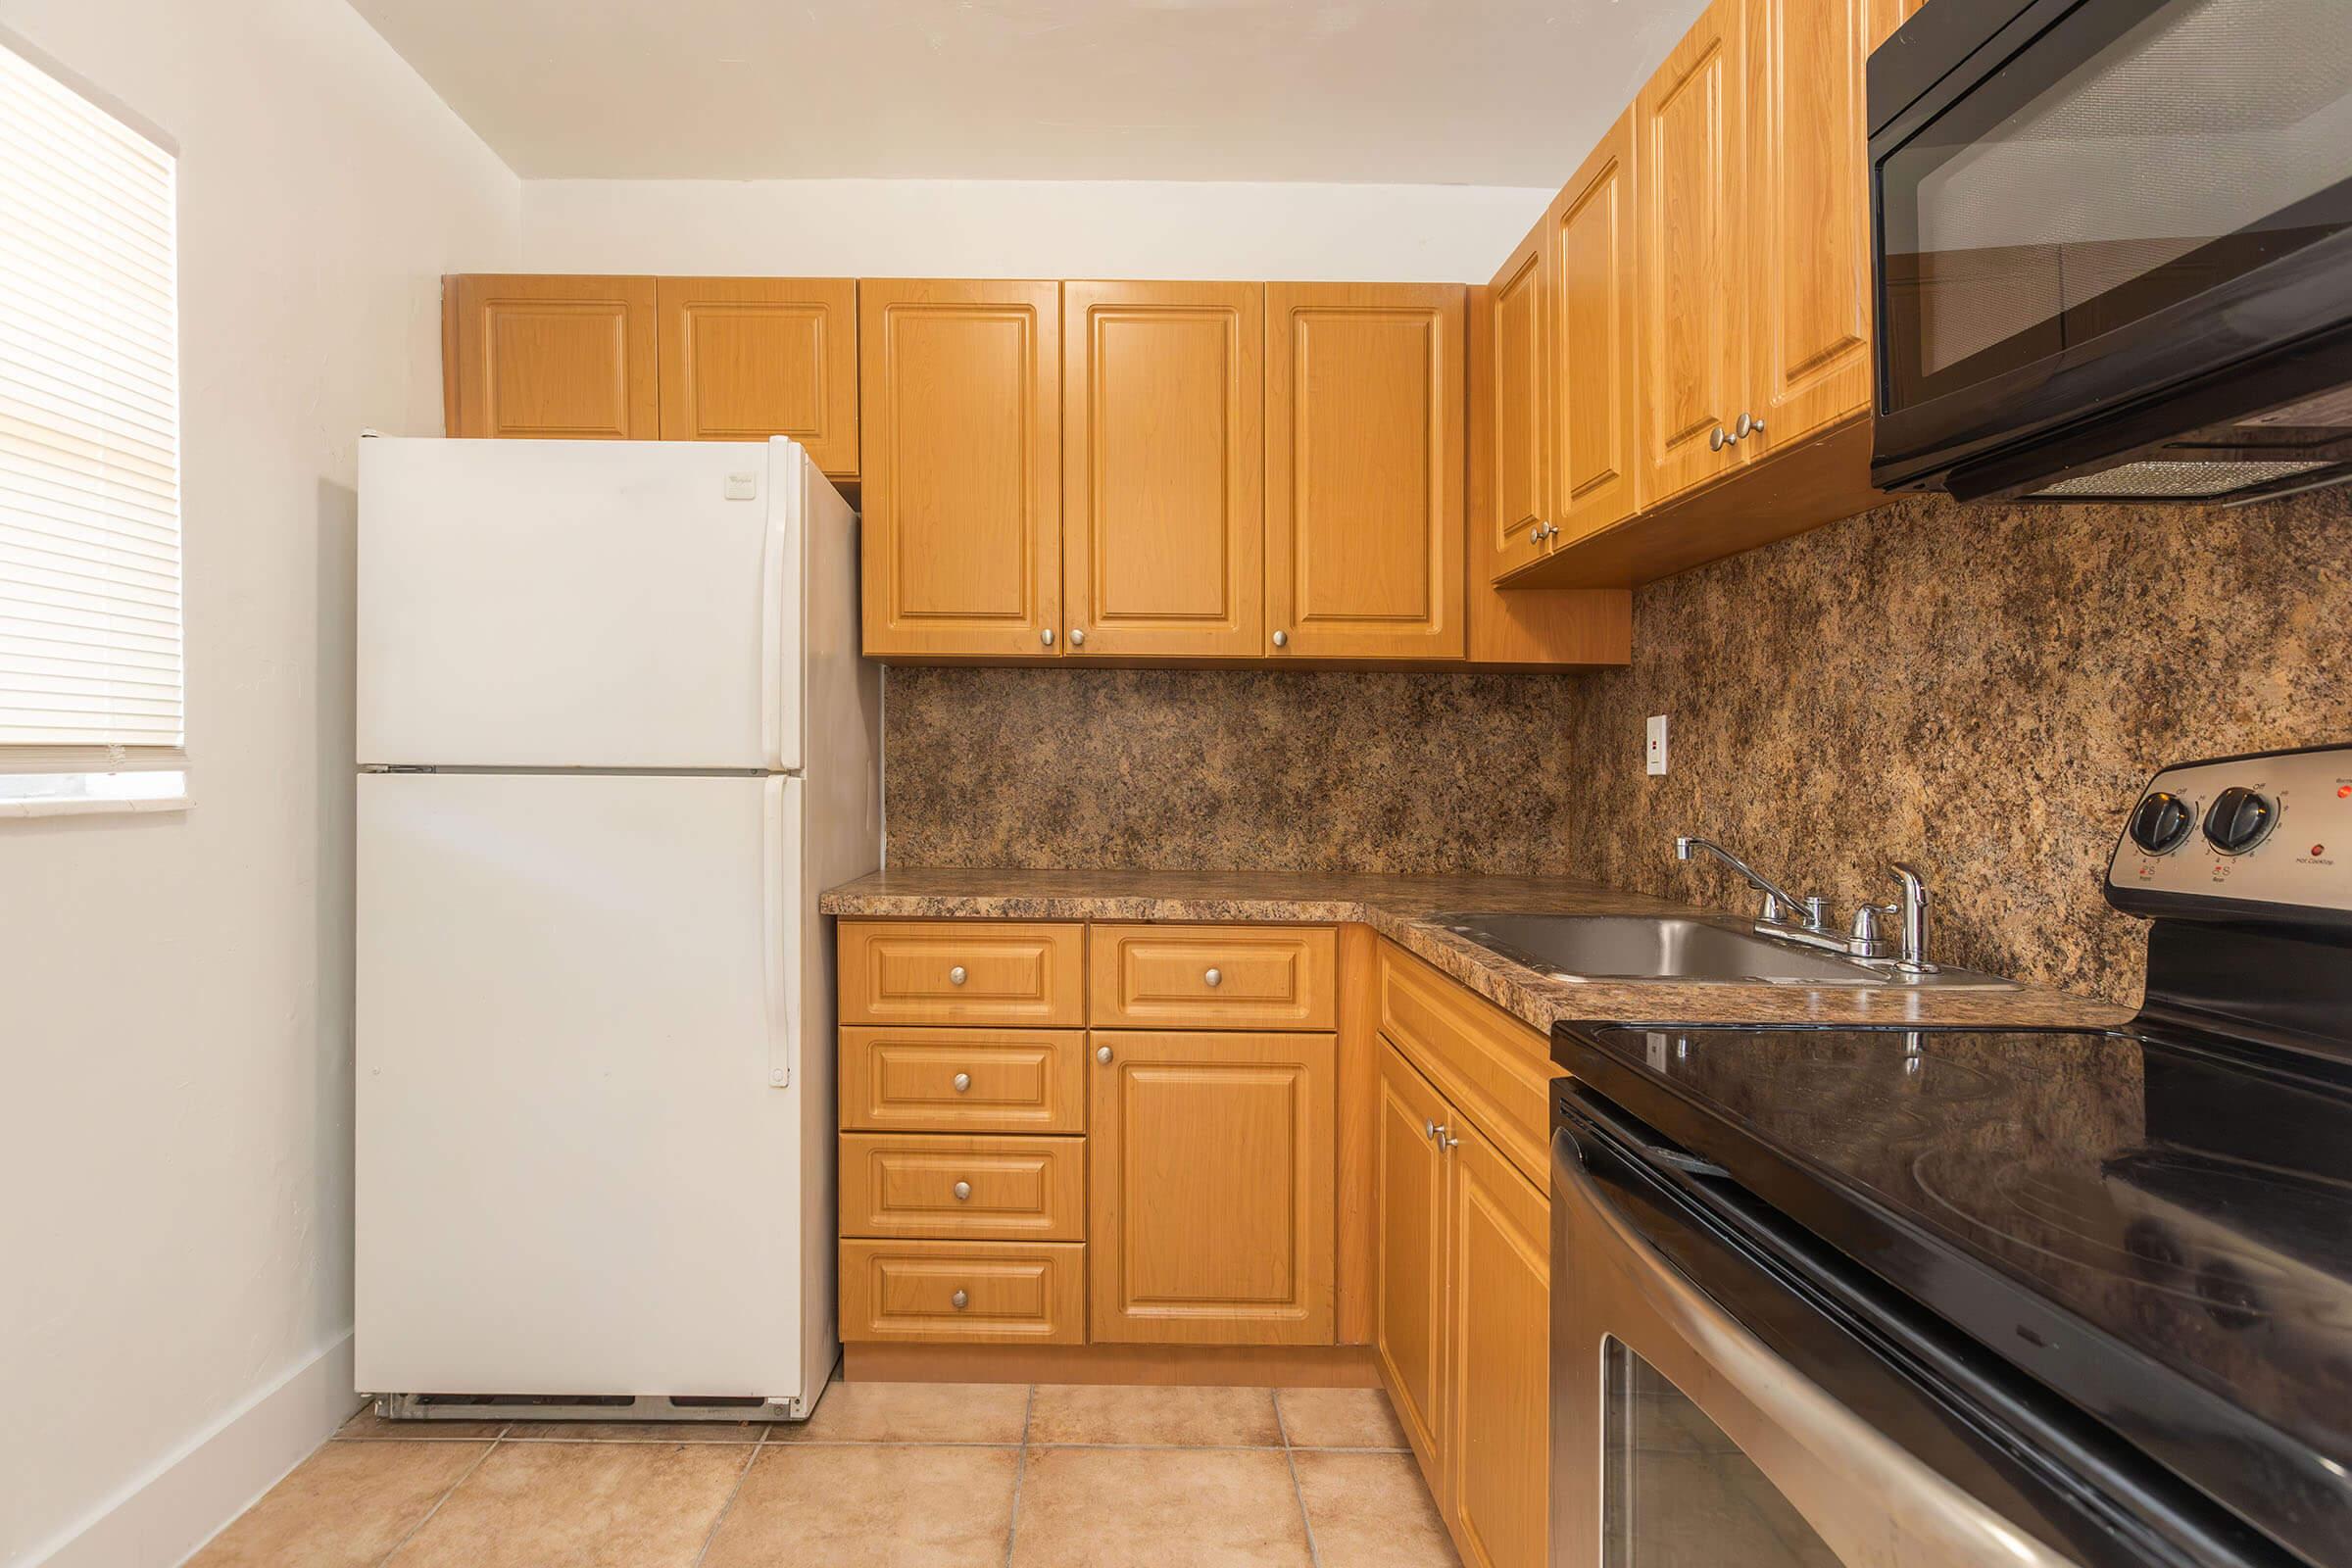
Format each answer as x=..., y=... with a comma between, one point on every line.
x=2114, y=249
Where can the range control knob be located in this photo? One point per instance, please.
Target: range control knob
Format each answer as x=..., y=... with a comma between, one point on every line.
x=2238, y=819
x=2161, y=821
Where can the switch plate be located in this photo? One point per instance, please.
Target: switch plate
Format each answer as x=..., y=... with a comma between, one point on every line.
x=1653, y=754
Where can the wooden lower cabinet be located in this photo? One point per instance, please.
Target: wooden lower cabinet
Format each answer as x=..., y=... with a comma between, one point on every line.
x=970, y=1293
x=1463, y=1327
x=1498, y=1360
x=1211, y=1205
x=1408, y=1310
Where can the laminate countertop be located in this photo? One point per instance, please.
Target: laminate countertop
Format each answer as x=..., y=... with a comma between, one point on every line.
x=1399, y=907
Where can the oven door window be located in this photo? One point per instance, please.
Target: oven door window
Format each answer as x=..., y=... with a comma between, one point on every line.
x=1678, y=1493
x=2122, y=161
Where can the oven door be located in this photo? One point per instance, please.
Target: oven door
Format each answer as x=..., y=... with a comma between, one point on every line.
x=2102, y=225
x=1725, y=1389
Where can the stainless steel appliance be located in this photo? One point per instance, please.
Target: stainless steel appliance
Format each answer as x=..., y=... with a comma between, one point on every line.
x=2114, y=249
x=1827, y=1295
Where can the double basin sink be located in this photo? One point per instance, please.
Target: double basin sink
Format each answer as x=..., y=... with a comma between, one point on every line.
x=1685, y=949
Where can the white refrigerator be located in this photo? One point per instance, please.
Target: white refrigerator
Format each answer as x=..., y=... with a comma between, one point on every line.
x=614, y=737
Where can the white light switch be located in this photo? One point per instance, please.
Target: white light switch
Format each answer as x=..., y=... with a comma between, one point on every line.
x=1655, y=753
x=743, y=487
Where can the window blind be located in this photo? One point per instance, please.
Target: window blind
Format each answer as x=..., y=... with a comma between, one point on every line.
x=90, y=672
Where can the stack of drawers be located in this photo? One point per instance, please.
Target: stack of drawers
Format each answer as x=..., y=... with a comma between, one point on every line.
x=1026, y=1108
x=962, y=1102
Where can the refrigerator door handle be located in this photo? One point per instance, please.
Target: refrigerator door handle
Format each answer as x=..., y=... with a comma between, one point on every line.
x=775, y=557
x=776, y=946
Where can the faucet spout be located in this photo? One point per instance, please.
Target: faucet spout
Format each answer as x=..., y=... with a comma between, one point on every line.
x=1802, y=909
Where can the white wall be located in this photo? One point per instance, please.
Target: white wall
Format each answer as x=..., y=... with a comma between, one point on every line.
x=1025, y=228
x=175, y=990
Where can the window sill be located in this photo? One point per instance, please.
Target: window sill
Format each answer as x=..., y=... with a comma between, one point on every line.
x=92, y=793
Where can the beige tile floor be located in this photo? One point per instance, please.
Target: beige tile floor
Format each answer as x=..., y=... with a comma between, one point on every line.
x=887, y=1475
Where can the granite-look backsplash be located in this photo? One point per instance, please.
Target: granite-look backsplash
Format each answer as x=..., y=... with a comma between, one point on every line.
x=1981, y=688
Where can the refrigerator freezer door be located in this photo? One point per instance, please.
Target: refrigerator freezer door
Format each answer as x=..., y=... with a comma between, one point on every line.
x=580, y=603
x=574, y=1175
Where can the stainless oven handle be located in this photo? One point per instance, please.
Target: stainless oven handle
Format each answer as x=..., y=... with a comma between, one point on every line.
x=1886, y=1495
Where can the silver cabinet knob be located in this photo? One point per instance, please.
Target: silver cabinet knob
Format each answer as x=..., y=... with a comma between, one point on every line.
x=963, y=1082
x=1045, y=635
x=1719, y=438
x=1213, y=978
x=1429, y=1130
x=963, y=1191
x=957, y=976
x=959, y=1300
x=1282, y=639
x=1103, y=1054
x=1446, y=1138
x=1077, y=636
x=1534, y=535
x=1742, y=426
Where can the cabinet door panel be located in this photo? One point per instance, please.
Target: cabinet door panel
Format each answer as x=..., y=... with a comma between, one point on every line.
x=1211, y=1192
x=1692, y=272
x=1409, y=1198
x=1164, y=542
x=1364, y=541
x=961, y=396
x=1806, y=138
x=1592, y=344
x=556, y=358
x=743, y=359
x=1498, y=1421
x=1519, y=396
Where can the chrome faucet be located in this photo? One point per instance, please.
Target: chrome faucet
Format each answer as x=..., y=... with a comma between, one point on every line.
x=1806, y=920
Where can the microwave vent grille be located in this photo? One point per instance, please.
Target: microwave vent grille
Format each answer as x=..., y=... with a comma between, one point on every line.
x=2162, y=480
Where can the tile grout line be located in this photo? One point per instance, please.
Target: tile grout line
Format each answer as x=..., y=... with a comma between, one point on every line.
x=1290, y=1457
x=1020, y=1468
x=728, y=1506
x=480, y=1459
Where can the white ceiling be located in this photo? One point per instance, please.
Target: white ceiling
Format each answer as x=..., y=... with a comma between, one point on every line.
x=1482, y=92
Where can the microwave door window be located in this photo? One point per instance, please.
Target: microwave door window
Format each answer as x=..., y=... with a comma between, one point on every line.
x=2122, y=161
x=1679, y=1493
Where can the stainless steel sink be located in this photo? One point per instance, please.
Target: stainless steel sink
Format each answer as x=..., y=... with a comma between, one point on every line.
x=1685, y=949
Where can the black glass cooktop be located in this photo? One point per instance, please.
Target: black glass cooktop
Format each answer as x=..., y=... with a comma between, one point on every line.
x=2159, y=1229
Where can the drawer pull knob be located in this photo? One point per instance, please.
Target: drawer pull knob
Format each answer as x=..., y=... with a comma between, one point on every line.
x=963, y=1192
x=962, y=1083
x=957, y=976
x=1103, y=1054
x=1214, y=977
x=959, y=1300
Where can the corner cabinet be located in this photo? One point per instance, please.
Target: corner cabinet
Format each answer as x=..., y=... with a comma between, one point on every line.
x=960, y=399
x=1164, y=535
x=1364, y=458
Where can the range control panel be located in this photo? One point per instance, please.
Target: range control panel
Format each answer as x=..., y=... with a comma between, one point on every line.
x=2273, y=828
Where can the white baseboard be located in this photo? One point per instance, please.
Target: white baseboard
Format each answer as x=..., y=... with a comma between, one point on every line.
x=160, y=1518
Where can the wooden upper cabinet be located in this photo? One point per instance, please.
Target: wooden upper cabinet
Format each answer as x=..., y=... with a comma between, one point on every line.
x=1364, y=531
x=1163, y=539
x=1499, y=1377
x=960, y=398
x=1805, y=174
x=743, y=359
x=1518, y=397
x=1212, y=1207
x=561, y=357
x=1690, y=248
x=1595, y=464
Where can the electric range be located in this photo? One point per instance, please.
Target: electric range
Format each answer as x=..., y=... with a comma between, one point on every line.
x=2096, y=1287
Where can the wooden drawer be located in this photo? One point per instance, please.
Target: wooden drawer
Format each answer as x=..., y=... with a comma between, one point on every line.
x=1497, y=1071
x=1013, y=1189
x=1019, y=1293
x=962, y=972
x=1157, y=977
x=1013, y=1080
